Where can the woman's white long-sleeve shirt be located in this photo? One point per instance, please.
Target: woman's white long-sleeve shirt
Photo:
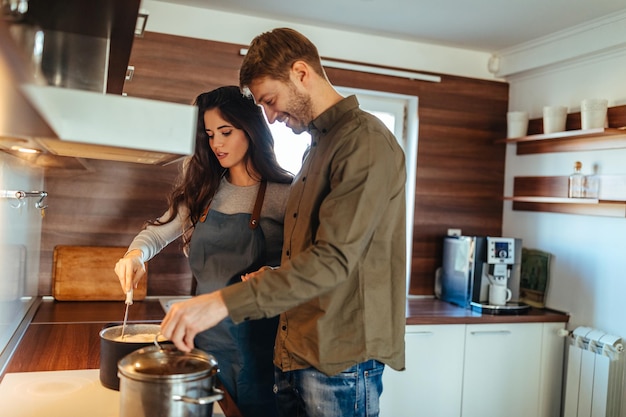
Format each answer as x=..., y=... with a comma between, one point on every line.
x=229, y=199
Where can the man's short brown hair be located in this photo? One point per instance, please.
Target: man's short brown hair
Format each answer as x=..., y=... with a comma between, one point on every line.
x=271, y=54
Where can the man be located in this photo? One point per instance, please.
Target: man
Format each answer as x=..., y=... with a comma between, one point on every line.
x=341, y=287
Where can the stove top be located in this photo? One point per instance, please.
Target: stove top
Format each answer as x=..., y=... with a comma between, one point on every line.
x=57, y=394
x=74, y=393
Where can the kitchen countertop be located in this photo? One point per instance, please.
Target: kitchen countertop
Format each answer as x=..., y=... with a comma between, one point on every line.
x=420, y=310
x=430, y=310
x=74, y=393
x=57, y=394
x=65, y=335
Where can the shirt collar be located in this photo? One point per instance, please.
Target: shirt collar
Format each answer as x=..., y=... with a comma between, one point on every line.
x=325, y=121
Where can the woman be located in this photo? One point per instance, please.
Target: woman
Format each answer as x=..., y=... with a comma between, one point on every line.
x=229, y=208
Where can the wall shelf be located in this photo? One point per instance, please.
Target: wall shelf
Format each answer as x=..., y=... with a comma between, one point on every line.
x=573, y=138
x=560, y=200
x=602, y=208
x=549, y=194
x=570, y=140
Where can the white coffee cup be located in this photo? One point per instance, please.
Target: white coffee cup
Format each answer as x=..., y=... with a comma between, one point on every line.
x=554, y=118
x=499, y=294
x=593, y=112
x=516, y=124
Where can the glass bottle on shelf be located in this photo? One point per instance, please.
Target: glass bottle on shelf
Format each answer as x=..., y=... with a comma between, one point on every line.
x=591, y=184
x=576, y=182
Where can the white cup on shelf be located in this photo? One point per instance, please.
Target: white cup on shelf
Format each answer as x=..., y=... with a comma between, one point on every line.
x=593, y=113
x=516, y=124
x=554, y=119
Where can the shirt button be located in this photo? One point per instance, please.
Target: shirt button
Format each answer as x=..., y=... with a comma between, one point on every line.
x=295, y=215
x=303, y=179
x=284, y=328
x=287, y=253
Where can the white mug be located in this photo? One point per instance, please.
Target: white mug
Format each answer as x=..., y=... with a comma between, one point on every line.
x=499, y=295
x=593, y=112
x=517, y=124
x=554, y=119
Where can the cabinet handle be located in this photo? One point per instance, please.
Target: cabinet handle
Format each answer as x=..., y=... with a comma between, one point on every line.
x=140, y=25
x=424, y=333
x=479, y=332
x=130, y=71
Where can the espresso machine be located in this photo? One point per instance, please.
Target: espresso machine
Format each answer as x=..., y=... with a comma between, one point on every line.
x=471, y=264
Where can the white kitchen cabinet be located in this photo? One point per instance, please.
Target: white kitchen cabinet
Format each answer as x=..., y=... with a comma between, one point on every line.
x=432, y=382
x=478, y=370
x=551, y=368
x=501, y=374
x=513, y=370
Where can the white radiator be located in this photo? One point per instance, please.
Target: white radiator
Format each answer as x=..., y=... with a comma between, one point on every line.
x=595, y=374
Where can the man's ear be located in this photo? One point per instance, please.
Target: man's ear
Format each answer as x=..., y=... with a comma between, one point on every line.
x=300, y=72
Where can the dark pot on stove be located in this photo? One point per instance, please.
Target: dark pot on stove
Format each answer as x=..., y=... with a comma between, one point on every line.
x=113, y=349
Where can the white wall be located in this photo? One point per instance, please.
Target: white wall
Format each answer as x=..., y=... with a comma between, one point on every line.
x=589, y=264
x=20, y=238
x=241, y=29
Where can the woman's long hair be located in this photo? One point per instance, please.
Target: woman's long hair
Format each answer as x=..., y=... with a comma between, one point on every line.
x=202, y=172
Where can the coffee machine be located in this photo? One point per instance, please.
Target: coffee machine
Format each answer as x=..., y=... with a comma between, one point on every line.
x=472, y=263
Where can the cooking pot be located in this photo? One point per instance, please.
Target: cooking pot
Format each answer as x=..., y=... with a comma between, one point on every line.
x=112, y=349
x=162, y=381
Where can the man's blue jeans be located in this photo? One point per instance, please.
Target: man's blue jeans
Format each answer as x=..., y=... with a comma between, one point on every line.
x=310, y=393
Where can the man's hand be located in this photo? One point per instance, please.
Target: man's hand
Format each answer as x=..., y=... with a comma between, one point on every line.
x=186, y=319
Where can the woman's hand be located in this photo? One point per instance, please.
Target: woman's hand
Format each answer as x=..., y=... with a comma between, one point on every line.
x=130, y=269
x=251, y=275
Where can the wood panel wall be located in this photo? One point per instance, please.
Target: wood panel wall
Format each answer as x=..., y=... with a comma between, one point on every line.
x=460, y=172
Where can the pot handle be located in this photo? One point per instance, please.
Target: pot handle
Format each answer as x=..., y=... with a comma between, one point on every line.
x=216, y=396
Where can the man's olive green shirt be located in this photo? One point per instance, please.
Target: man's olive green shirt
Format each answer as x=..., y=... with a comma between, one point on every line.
x=341, y=286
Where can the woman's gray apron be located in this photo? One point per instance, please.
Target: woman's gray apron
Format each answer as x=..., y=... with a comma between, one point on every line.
x=222, y=248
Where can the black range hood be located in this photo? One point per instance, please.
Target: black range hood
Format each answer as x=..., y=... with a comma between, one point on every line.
x=66, y=90
x=87, y=42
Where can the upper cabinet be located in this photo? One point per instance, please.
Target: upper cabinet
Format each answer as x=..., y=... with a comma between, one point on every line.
x=550, y=194
x=177, y=69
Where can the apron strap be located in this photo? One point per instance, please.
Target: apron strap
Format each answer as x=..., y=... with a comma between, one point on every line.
x=256, y=213
x=205, y=213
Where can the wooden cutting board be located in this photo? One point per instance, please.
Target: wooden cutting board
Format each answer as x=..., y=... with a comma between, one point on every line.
x=85, y=273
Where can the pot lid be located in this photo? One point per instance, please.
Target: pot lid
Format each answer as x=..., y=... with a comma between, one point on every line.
x=167, y=362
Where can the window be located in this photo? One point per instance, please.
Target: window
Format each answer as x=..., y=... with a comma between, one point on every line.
x=289, y=147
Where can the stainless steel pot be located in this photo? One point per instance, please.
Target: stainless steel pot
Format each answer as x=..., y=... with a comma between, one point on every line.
x=112, y=349
x=162, y=381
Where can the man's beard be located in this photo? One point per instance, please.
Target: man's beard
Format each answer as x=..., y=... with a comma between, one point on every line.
x=299, y=109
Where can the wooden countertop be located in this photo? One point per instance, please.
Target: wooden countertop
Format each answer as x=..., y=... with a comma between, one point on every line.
x=434, y=311
x=420, y=310
x=65, y=335
x=56, y=312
